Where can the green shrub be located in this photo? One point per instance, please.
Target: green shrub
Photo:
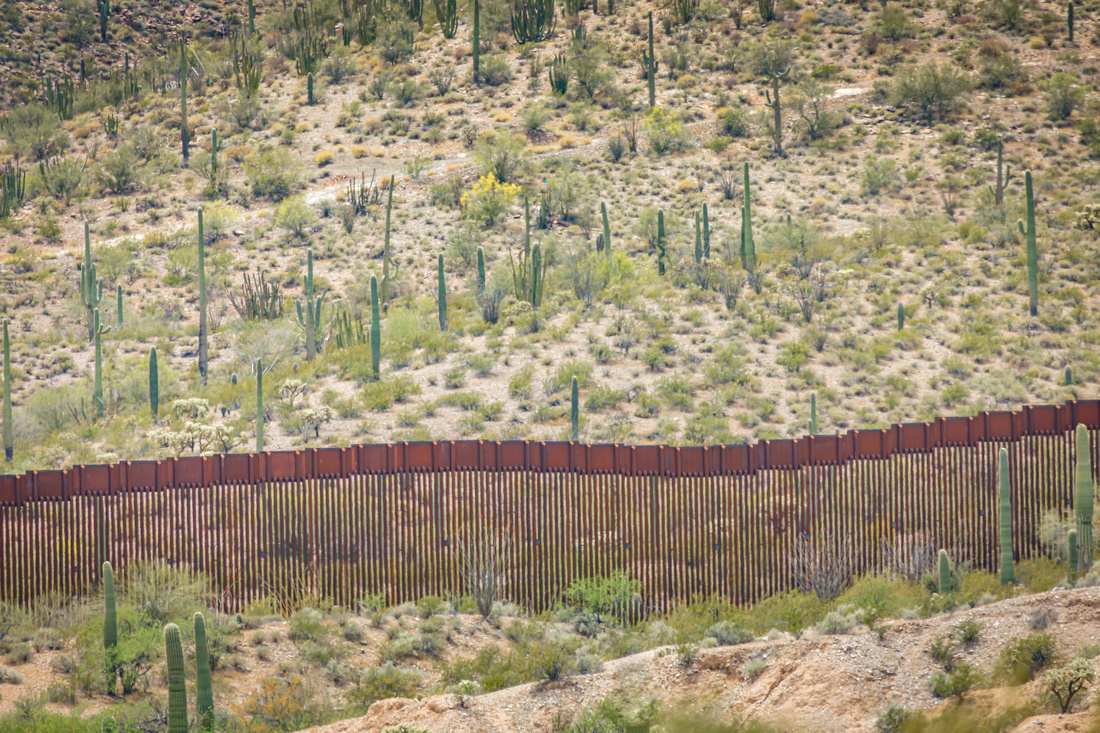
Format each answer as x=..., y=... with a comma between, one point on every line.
x=732, y=121
x=1023, y=658
x=307, y=624
x=488, y=200
x=383, y=393
x=930, y=91
x=119, y=170
x=665, y=131
x=287, y=704
x=412, y=645
x=295, y=216
x=563, y=376
x=794, y=612
x=272, y=172
x=1040, y=574
x=956, y=683
x=603, y=595
x=383, y=682
x=500, y=155
x=728, y=633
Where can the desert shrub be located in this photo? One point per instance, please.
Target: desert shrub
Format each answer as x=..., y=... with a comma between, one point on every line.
x=308, y=624
x=140, y=641
x=119, y=170
x=665, y=131
x=968, y=631
x=495, y=70
x=501, y=155
x=295, y=216
x=892, y=719
x=1040, y=574
x=753, y=669
x=412, y=645
x=286, y=704
x=383, y=682
x=603, y=595
x=793, y=612
x=406, y=728
x=1023, y=658
x=732, y=121
x=165, y=592
x=837, y=622
x=956, y=683
x=272, y=172
x=563, y=376
x=879, y=174
x=383, y=393
x=931, y=91
x=34, y=131
x=1063, y=95
x=728, y=633
x=488, y=200
x=1003, y=72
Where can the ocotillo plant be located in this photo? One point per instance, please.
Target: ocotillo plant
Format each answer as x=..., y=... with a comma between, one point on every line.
x=1004, y=518
x=1071, y=538
x=9, y=446
x=748, y=247
x=901, y=316
x=442, y=302
x=1032, y=250
x=649, y=60
x=97, y=394
x=480, y=270
x=203, y=346
x=574, y=412
x=1004, y=174
x=177, y=688
x=606, y=231
x=1083, y=499
x=661, y=242
x=475, y=40
x=309, y=318
x=154, y=383
x=259, y=405
x=944, y=572
x=104, y=7
x=110, y=626
x=387, y=276
x=375, y=329
x=185, y=136
x=91, y=287
x=204, y=694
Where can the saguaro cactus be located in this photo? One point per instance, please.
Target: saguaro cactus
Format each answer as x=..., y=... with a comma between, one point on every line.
x=110, y=625
x=1004, y=518
x=118, y=308
x=1083, y=499
x=1032, y=248
x=204, y=694
x=650, y=61
x=901, y=316
x=442, y=303
x=309, y=318
x=104, y=8
x=944, y=572
x=661, y=242
x=214, y=162
x=97, y=393
x=185, y=136
x=813, y=413
x=203, y=346
x=606, y=231
x=259, y=405
x=9, y=446
x=475, y=40
x=1071, y=538
x=1004, y=174
x=1069, y=20
x=706, y=232
x=574, y=412
x=91, y=287
x=1069, y=377
x=777, y=110
x=698, y=237
x=154, y=383
x=251, y=18
x=309, y=89
x=480, y=270
x=375, y=329
x=177, y=687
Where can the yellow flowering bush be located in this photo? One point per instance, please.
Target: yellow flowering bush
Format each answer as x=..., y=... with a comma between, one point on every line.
x=488, y=199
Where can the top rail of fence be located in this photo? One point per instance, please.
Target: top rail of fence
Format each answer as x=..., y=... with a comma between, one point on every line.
x=476, y=455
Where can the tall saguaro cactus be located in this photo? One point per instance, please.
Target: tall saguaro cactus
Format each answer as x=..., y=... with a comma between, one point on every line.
x=574, y=411
x=97, y=393
x=661, y=242
x=1069, y=20
x=387, y=276
x=118, y=307
x=177, y=687
x=748, y=247
x=650, y=61
x=706, y=232
x=606, y=231
x=442, y=301
x=375, y=329
x=91, y=287
x=185, y=135
x=1071, y=538
x=309, y=317
x=1083, y=498
x=204, y=694
x=104, y=8
x=944, y=573
x=1004, y=518
x=813, y=413
x=1004, y=175
x=774, y=105
x=154, y=383
x=480, y=270
x=9, y=446
x=110, y=626
x=475, y=40
x=698, y=237
x=251, y=18
x=1032, y=248
x=259, y=405
x=203, y=345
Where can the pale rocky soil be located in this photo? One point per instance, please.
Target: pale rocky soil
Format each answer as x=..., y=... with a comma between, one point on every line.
x=827, y=684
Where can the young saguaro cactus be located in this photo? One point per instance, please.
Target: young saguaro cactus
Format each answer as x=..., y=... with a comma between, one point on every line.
x=9, y=447
x=375, y=329
x=901, y=317
x=442, y=302
x=480, y=270
x=177, y=687
x=110, y=625
x=1083, y=498
x=309, y=318
x=944, y=583
x=706, y=232
x=185, y=135
x=1004, y=518
x=118, y=308
x=606, y=231
x=661, y=242
x=204, y=694
x=1071, y=539
x=698, y=237
x=97, y=393
x=203, y=345
x=748, y=247
x=1032, y=248
x=813, y=413
x=154, y=383
x=1004, y=175
x=475, y=40
x=651, y=64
